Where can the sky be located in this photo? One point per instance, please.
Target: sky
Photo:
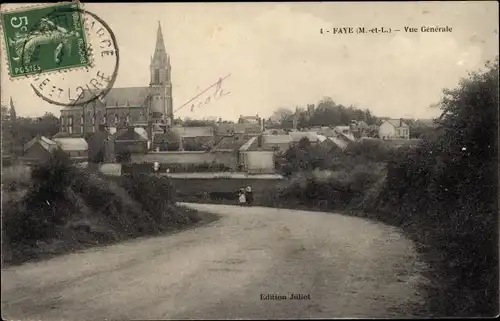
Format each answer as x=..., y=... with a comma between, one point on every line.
x=277, y=57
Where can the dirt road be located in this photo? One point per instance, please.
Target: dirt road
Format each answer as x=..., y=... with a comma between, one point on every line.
x=342, y=266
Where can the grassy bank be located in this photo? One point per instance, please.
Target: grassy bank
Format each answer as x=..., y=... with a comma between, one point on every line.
x=60, y=209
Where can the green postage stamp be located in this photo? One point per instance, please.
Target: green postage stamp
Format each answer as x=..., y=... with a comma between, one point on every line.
x=41, y=39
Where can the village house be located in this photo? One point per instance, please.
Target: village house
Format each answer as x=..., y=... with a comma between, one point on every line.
x=101, y=146
x=132, y=140
x=76, y=148
x=38, y=150
x=394, y=129
x=297, y=136
x=278, y=143
x=194, y=138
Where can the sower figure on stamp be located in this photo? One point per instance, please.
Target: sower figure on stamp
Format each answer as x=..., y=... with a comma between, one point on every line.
x=249, y=195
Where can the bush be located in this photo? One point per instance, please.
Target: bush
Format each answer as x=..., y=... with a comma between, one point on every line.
x=447, y=187
x=123, y=157
x=80, y=207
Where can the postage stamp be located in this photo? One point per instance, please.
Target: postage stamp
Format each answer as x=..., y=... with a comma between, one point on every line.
x=81, y=86
x=69, y=55
x=38, y=41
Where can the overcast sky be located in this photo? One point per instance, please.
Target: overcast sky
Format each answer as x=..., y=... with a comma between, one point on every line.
x=277, y=57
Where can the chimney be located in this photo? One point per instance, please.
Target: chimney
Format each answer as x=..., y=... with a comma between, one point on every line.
x=259, y=141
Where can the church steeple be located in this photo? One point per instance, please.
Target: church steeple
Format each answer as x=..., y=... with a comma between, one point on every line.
x=160, y=53
x=160, y=84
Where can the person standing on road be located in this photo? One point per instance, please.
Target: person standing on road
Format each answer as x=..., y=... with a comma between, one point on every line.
x=242, y=197
x=249, y=196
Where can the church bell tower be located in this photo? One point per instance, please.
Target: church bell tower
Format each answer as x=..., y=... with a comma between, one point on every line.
x=160, y=85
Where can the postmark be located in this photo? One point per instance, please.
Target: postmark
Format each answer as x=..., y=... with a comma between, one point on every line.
x=80, y=85
x=37, y=42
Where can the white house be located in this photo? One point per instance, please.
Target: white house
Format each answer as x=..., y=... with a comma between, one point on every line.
x=394, y=128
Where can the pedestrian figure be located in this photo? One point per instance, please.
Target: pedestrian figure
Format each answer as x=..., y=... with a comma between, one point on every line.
x=242, y=197
x=249, y=195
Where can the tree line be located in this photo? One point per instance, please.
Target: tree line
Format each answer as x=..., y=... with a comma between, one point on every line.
x=17, y=131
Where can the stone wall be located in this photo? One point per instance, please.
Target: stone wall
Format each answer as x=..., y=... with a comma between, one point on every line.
x=228, y=158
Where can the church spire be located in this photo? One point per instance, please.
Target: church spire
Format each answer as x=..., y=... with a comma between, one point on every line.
x=160, y=44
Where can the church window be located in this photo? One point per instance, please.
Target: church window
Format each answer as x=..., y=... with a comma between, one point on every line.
x=82, y=124
x=116, y=119
x=70, y=124
x=157, y=76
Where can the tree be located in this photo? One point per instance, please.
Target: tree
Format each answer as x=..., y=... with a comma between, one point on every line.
x=450, y=181
x=281, y=114
x=8, y=140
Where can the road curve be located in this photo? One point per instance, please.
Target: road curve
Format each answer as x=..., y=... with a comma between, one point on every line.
x=344, y=266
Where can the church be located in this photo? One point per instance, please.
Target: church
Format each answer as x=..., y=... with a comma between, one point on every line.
x=149, y=107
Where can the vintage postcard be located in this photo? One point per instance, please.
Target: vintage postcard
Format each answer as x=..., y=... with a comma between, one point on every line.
x=249, y=160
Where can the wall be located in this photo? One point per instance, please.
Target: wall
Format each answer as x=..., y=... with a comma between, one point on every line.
x=386, y=130
x=258, y=161
x=36, y=153
x=111, y=169
x=196, y=188
x=131, y=146
x=103, y=115
x=228, y=158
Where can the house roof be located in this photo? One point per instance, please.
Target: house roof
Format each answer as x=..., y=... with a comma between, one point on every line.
x=426, y=122
x=224, y=128
x=276, y=139
x=396, y=122
x=339, y=142
x=249, y=117
x=249, y=143
x=47, y=144
x=296, y=136
x=321, y=138
x=141, y=131
x=205, y=131
x=341, y=128
x=278, y=131
x=326, y=131
x=67, y=135
x=72, y=144
x=121, y=97
x=230, y=143
x=128, y=134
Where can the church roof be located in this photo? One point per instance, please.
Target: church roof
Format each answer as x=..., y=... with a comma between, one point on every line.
x=121, y=97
